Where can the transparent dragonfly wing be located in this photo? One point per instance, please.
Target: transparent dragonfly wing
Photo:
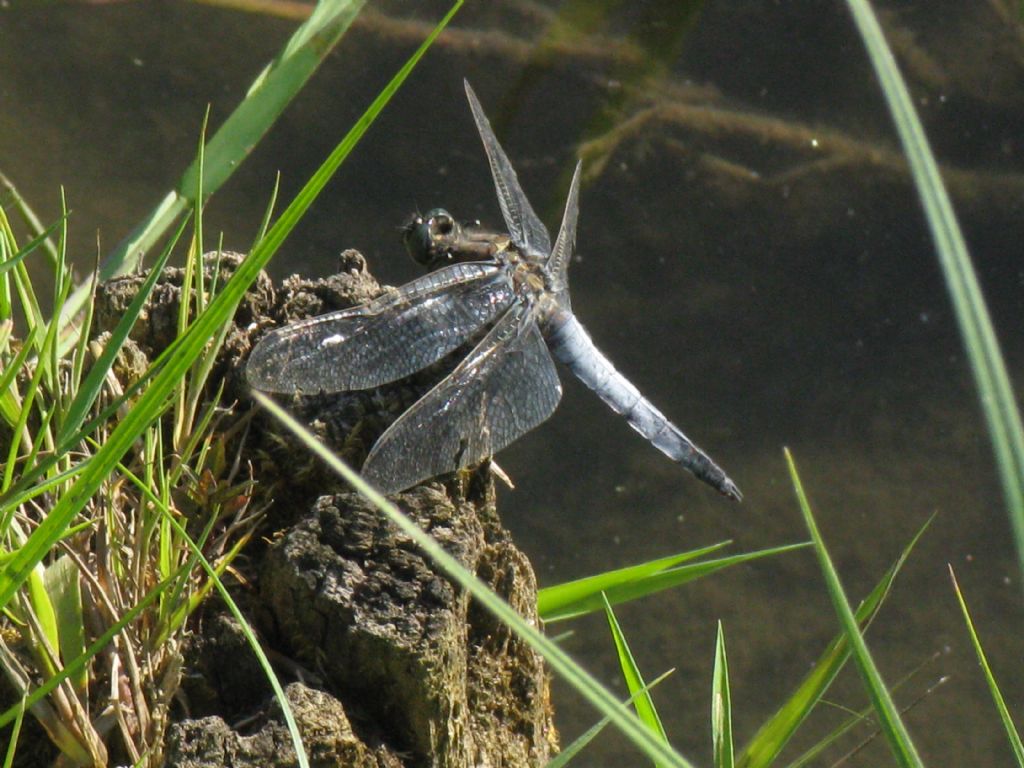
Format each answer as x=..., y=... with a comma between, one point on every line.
x=504, y=388
x=524, y=226
x=387, y=339
x=565, y=242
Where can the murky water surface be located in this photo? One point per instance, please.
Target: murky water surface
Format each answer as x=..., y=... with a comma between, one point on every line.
x=751, y=253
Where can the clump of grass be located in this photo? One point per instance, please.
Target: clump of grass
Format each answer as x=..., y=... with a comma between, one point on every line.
x=121, y=504
x=121, y=569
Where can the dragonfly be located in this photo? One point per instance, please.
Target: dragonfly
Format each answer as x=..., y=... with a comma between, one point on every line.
x=511, y=305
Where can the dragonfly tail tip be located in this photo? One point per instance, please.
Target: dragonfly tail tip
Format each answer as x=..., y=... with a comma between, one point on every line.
x=729, y=489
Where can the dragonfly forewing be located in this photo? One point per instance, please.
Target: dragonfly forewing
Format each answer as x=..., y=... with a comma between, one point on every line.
x=389, y=338
x=524, y=226
x=504, y=388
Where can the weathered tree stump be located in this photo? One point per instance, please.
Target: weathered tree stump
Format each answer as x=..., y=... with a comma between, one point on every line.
x=393, y=664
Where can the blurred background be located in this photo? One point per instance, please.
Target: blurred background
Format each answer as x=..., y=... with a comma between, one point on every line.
x=751, y=254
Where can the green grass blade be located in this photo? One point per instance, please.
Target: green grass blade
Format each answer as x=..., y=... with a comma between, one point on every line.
x=268, y=214
x=888, y=717
x=557, y=659
x=997, y=697
x=19, y=429
x=721, y=707
x=813, y=755
x=37, y=241
x=93, y=383
x=987, y=364
x=156, y=398
x=12, y=745
x=45, y=618
x=555, y=598
x=11, y=406
x=49, y=483
x=585, y=595
x=772, y=737
x=63, y=587
x=642, y=701
x=28, y=216
x=6, y=332
x=273, y=89
x=78, y=353
x=17, y=281
x=571, y=750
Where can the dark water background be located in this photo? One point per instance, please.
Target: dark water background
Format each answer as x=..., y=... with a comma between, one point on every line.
x=763, y=291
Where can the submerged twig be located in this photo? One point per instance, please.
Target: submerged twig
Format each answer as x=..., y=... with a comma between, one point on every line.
x=817, y=149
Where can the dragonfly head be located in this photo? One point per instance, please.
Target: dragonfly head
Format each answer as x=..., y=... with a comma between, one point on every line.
x=430, y=239
x=437, y=239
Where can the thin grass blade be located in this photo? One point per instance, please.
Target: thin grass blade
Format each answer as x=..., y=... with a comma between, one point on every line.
x=17, y=281
x=889, y=719
x=773, y=736
x=995, y=391
x=268, y=214
x=36, y=242
x=642, y=702
x=585, y=596
x=552, y=599
x=997, y=696
x=12, y=745
x=28, y=216
x=11, y=405
x=813, y=755
x=571, y=750
x=721, y=707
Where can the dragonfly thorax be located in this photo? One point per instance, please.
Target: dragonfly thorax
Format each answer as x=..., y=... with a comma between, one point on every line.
x=529, y=278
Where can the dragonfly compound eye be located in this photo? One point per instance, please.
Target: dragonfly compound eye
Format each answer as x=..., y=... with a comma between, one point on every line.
x=417, y=239
x=442, y=224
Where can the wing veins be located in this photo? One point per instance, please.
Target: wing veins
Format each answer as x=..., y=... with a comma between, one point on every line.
x=525, y=227
x=384, y=340
x=504, y=388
